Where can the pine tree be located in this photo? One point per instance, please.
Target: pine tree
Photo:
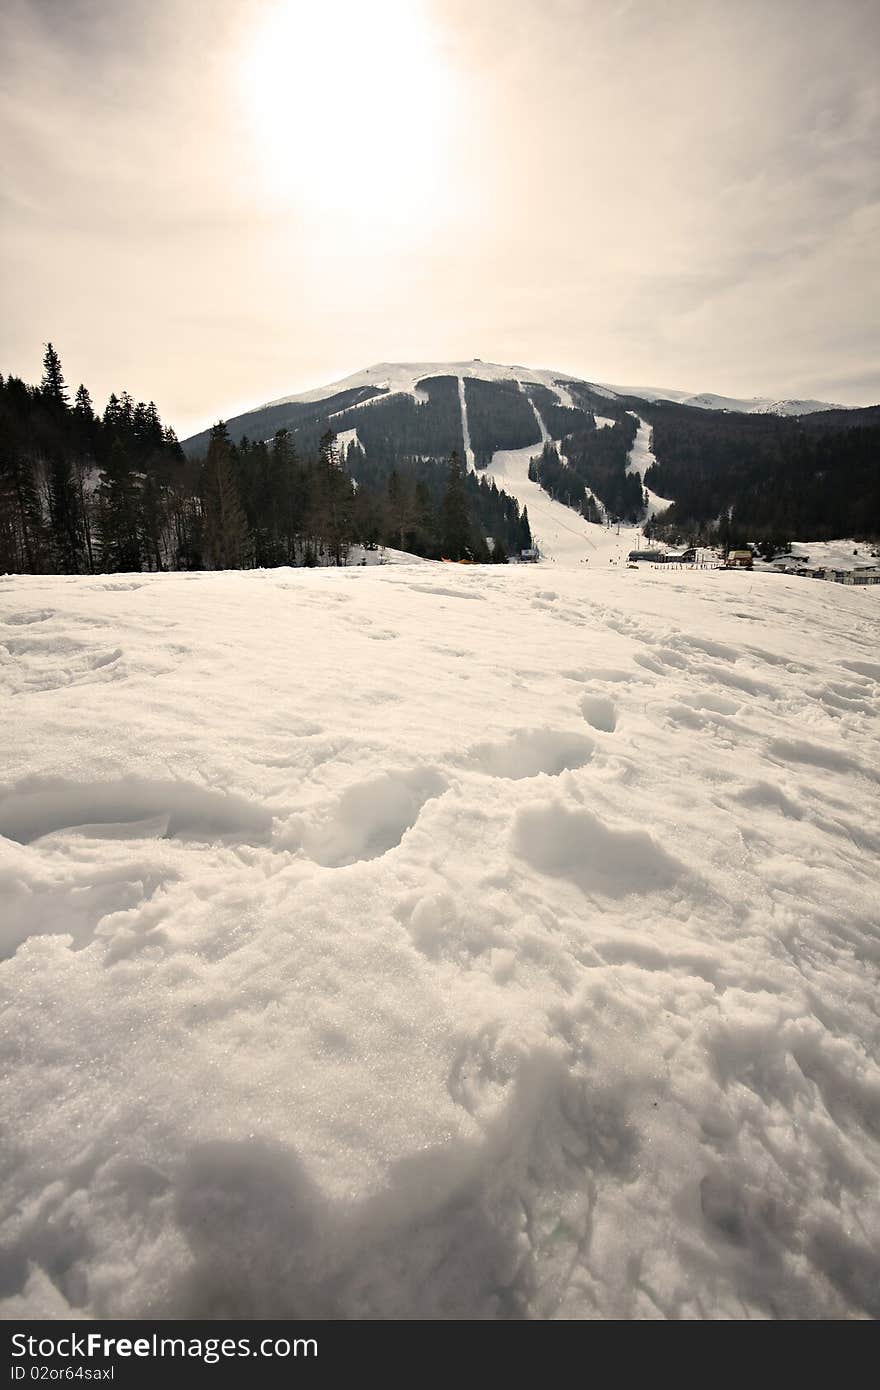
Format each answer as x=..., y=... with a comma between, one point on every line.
x=285, y=497
x=83, y=405
x=457, y=539
x=23, y=539
x=403, y=507
x=65, y=516
x=226, y=539
x=119, y=521
x=53, y=384
x=152, y=516
x=332, y=502
x=113, y=419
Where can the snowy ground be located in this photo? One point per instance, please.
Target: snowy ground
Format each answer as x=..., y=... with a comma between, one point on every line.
x=441, y=941
x=839, y=555
x=565, y=538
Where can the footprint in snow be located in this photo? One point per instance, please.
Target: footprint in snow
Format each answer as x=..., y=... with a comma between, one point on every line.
x=600, y=712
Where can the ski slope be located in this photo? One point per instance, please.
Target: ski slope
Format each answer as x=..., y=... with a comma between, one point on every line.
x=562, y=535
x=640, y=459
x=465, y=429
x=559, y=532
x=434, y=941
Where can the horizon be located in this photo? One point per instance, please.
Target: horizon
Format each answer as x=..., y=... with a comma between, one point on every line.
x=238, y=409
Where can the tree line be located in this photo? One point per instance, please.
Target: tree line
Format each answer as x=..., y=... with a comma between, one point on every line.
x=738, y=478
x=599, y=457
x=83, y=492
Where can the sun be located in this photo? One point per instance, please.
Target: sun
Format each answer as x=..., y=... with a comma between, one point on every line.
x=352, y=107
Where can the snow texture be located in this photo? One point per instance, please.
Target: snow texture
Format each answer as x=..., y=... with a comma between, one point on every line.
x=421, y=941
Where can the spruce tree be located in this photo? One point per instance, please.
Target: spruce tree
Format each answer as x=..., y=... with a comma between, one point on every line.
x=83, y=404
x=24, y=546
x=332, y=502
x=65, y=516
x=53, y=384
x=225, y=529
x=457, y=539
x=285, y=497
x=119, y=520
x=403, y=507
x=525, y=531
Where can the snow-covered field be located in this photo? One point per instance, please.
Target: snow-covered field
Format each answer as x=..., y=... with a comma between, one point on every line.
x=843, y=555
x=443, y=941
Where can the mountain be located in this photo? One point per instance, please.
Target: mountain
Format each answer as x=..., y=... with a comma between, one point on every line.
x=700, y=467
x=408, y=378
x=748, y=405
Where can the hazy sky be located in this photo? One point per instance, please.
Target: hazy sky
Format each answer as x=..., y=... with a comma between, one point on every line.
x=216, y=202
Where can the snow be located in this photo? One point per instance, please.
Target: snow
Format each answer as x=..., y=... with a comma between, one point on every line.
x=640, y=459
x=465, y=430
x=344, y=439
x=403, y=378
x=708, y=400
x=440, y=941
x=563, y=536
x=542, y=428
x=837, y=555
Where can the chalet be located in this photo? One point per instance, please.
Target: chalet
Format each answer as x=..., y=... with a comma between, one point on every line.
x=655, y=555
x=739, y=560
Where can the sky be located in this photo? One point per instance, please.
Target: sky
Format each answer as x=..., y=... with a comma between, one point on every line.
x=214, y=203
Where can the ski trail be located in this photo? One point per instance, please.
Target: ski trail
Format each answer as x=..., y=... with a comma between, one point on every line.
x=640, y=459
x=542, y=428
x=346, y=437
x=557, y=445
x=465, y=432
x=563, y=395
x=563, y=536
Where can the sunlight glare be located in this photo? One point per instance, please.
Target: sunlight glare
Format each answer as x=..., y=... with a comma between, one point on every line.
x=353, y=108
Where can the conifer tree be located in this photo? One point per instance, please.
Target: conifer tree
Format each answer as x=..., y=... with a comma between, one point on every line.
x=83, y=404
x=53, y=384
x=456, y=536
x=119, y=513
x=65, y=516
x=23, y=539
x=225, y=539
x=403, y=507
x=332, y=501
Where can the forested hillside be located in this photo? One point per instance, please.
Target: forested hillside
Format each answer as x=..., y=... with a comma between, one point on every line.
x=499, y=417
x=752, y=477
x=82, y=492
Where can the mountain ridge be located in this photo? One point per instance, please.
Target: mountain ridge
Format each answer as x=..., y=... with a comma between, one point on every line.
x=396, y=378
